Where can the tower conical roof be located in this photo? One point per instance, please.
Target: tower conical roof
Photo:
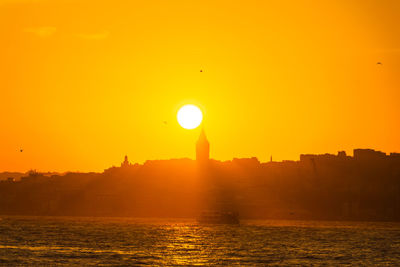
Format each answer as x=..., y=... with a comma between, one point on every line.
x=202, y=148
x=202, y=136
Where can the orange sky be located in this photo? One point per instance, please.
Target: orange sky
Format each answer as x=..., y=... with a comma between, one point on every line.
x=82, y=83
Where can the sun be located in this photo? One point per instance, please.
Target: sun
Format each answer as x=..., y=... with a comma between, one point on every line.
x=189, y=116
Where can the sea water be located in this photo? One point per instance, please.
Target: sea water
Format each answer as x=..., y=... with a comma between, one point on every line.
x=180, y=242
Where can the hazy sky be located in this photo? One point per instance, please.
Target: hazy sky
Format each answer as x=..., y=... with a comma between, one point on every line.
x=82, y=83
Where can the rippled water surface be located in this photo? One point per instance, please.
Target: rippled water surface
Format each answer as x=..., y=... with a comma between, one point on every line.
x=110, y=241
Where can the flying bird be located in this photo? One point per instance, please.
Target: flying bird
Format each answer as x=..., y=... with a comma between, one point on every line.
x=21, y=150
x=201, y=70
x=379, y=63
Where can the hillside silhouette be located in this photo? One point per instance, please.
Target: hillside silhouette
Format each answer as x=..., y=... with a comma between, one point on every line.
x=365, y=186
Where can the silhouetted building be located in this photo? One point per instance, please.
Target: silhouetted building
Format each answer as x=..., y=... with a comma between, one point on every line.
x=324, y=157
x=202, y=148
x=368, y=154
x=395, y=155
x=125, y=163
x=249, y=162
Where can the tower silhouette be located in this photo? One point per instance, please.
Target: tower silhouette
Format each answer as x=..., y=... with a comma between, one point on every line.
x=202, y=148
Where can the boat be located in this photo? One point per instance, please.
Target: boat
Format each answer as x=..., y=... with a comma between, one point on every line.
x=218, y=217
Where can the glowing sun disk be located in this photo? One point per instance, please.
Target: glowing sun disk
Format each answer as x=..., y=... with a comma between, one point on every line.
x=189, y=116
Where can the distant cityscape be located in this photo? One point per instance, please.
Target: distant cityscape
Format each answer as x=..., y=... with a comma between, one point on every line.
x=365, y=186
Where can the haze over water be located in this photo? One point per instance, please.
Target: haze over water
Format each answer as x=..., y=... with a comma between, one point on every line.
x=176, y=242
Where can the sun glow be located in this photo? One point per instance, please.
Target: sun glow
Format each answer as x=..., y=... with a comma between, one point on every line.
x=189, y=116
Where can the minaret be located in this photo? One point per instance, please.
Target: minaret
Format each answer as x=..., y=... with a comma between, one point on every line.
x=125, y=163
x=202, y=148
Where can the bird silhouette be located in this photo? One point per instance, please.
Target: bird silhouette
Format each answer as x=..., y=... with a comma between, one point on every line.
x=201, y=70
x=21, y=150
x=379, y=63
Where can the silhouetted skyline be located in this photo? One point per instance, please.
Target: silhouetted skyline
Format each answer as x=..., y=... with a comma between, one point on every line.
x=365, y=186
